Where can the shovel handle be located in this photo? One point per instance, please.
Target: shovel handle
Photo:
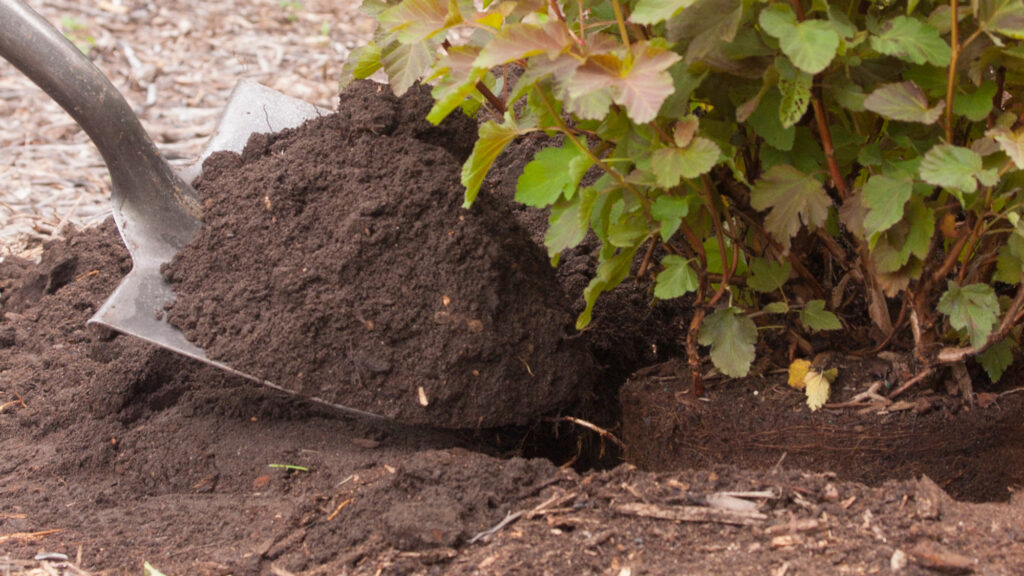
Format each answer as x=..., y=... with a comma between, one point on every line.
x=145, y=187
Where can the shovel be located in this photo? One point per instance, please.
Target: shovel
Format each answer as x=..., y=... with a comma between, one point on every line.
x=155, y=208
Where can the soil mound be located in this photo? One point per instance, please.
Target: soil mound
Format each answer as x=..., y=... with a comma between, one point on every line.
x=336, y=261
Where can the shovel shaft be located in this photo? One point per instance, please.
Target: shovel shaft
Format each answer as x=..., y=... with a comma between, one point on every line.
x=146, y=192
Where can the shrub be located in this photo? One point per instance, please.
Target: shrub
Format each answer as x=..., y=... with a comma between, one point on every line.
x=793, y=166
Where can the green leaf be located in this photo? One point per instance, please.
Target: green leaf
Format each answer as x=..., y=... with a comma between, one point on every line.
x=997, y=358
x=492, y=140
x=552, y=174
x=973, y=308
x=903, y=101
x=405, y=64
x=912, y=40
x=610, y=273
x=670, y=211
x=813, y=46
x=952, y=167
x=776, y=308
x=796, y=96
x=884, y=197
x=815, y=317
x=794, y=199
x=767, y=123
x=1004, y=17
x=976, y=105
x=518, y=41
x=677, y=279
x=671, y=164
x=892, y=250
x=707, y=24
x=569, y=222
x=777, y=20
x=732, y=336
x=810, y=45
x=768, y=275
x=628, y=230
x=458, y=79
x=362, y=63
x=1009, y=266
x=655, y=11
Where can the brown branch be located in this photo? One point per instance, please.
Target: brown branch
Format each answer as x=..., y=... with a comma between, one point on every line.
x=695, y=244
x=954, y=42
x=592, y=427
x=483, y=89
x=692, y=352
x=822, y=120
x=972, y=241
x=647, y=259
x=951, y=257
x=896, y=327
x=909, y=383
x=717, y=221
x=826, y=143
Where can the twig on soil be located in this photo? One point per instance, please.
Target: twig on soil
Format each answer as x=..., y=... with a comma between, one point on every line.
x=593, y=427
x=906, y=385
x=337, y=510
x=27, y=536
x=692, y=514
x=20, y=401
x=546, y=507
x=1008, y=392
x=778, y=465
x=868, y=398
x=509, y=518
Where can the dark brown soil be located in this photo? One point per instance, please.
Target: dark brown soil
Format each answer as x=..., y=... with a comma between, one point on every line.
x=975, y=454
x=336, y=261
x=118, y=453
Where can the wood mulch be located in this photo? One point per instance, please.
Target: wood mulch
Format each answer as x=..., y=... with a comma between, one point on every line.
x=176, y=63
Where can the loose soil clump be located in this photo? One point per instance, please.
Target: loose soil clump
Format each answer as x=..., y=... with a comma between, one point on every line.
x=336, y=261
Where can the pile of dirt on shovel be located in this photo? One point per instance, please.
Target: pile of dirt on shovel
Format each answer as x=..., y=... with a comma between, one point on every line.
x=336, y=260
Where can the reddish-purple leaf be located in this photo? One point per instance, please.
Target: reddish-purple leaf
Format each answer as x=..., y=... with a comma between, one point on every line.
x=415, y=20
x=645, y=82
x=517, y=41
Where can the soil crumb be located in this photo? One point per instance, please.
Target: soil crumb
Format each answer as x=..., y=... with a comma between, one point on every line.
x=336, y=260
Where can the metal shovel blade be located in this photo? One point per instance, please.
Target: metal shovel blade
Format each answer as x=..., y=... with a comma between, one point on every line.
x=155, y=208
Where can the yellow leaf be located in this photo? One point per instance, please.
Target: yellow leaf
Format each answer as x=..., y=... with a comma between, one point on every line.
x=818, y=389
x=797, y=371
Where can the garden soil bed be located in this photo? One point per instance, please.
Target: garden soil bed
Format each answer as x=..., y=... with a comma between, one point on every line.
x=116, y=453
x=973, y=453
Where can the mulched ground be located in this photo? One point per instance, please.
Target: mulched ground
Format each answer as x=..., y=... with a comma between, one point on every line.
x=176, y=63
x=116, y=453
